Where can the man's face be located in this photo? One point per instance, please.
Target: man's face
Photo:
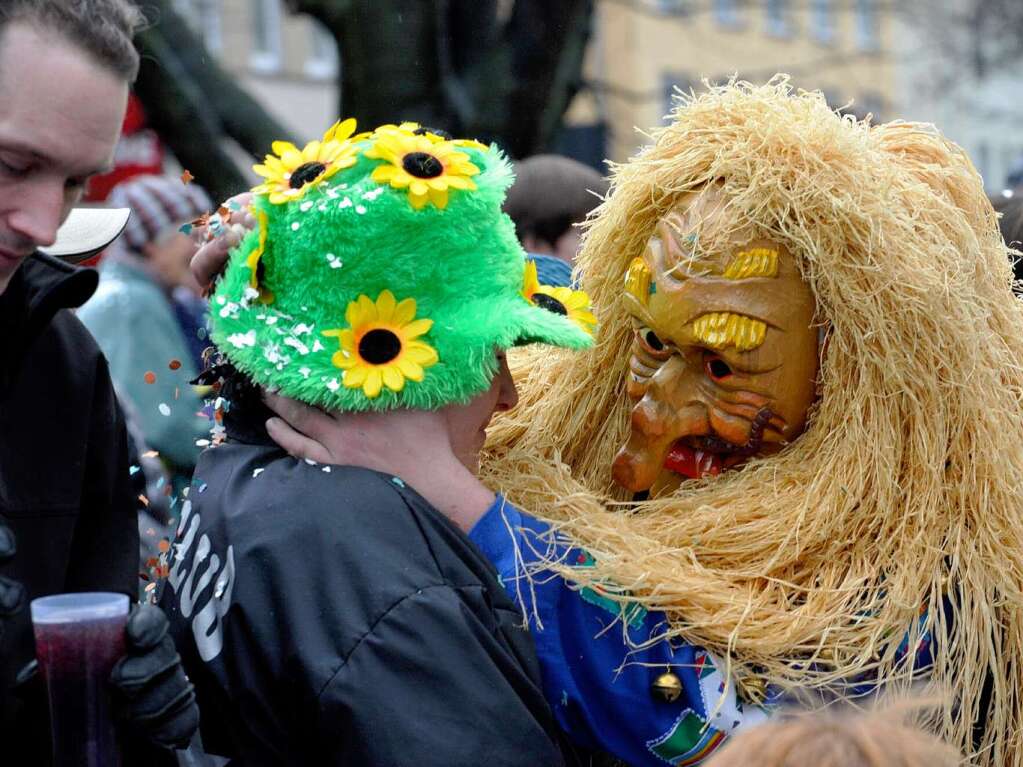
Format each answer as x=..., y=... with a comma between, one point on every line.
x=724, y=357
x=467, y=424
x=60, y=117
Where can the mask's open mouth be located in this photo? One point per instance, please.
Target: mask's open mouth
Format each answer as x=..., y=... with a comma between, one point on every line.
x=695, y=462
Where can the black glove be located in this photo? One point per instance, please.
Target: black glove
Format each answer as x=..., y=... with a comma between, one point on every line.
x=151, y=692
x=12, y=593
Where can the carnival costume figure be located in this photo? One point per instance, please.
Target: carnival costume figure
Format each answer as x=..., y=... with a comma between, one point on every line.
x=799, y=438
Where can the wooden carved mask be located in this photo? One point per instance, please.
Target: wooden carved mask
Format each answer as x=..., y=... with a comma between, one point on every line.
x=725, y=355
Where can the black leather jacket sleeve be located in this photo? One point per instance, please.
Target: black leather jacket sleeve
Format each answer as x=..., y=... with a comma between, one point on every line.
x=436, y=683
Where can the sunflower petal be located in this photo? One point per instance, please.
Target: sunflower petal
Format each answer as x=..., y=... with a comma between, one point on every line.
x=341, y=130
x=530, y=282
x=311, y=151
x=353, y=314
x=356, y=376
x=416, y=328
x=404, y=312
x=420, y=353
x=347, y=339
x=417, y=202
x=418, y=187
x=373, y=384
x=283, y=147
x=459, y=182
x=383, y=173
x=342, y=360
x=393, y=378
x=439, y=197
x=413, y=371
x=385, y=306
x=369, y=309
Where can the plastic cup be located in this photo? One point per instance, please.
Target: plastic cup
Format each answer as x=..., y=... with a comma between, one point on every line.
x=79, y=638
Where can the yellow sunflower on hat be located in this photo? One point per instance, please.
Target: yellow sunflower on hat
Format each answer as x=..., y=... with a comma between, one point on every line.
x=434, y=134
x=426, y=165
x=574, y=304
x=381, y=345
x=290, y=172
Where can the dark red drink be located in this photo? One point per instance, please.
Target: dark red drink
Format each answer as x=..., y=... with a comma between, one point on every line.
x=76, y=655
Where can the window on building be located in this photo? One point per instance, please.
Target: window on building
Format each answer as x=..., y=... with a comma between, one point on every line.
x=266, y=36
x=322, y=63
x=726, y=12
x=778, y=19
x=822, y=20
x=867, y=36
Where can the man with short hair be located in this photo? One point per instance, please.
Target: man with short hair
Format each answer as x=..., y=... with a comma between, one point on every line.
x=65, y=497
x=550, y=197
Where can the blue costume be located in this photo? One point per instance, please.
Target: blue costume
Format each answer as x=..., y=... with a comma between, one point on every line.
x=591, y=666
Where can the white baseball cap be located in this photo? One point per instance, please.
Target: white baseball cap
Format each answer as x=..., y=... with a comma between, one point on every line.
x=86, y=232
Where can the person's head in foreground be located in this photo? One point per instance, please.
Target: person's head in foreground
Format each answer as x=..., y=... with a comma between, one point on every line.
x=847, y=739
x=160, y=206
x=384, y=276
x=551, y=196
x=65, y=68
x=807, y=393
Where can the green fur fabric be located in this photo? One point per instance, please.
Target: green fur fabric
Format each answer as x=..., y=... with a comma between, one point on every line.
x=350, y=236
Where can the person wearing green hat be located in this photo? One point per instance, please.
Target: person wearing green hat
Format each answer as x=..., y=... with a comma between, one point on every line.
x=332, y=614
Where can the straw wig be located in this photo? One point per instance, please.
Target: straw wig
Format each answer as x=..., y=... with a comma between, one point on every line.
x=903, y=496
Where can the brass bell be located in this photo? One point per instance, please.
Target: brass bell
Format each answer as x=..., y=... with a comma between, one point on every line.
x=667, y=687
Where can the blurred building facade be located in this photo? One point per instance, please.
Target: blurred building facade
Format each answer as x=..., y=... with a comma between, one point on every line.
x=642, y=50
x=891, y=58
x=962, y=79
x=288, y=62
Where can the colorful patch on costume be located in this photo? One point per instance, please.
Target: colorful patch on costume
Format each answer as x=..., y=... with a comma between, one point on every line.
x=729, y=713
x=632, y=613
x=688, y=742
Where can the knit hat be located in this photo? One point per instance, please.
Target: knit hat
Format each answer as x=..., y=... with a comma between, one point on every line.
x=157, y=203
x=383, y=274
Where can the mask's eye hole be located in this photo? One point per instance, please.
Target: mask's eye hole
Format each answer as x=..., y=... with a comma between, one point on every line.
x=717, y=368
x=651, y=341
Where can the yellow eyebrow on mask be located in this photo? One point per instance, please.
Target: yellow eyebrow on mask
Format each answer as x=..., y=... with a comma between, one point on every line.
x=755, y=262
x=722, y=329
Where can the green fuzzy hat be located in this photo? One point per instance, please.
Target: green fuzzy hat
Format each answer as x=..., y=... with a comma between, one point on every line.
x=383, y=274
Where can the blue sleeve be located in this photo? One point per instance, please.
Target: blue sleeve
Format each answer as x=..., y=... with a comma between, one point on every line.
x=597, y=658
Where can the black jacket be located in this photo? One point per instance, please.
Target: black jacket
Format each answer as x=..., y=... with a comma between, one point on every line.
x=64, y=480
x=331, y=616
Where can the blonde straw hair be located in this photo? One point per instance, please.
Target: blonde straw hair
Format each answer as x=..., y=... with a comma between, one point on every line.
x=805, y=568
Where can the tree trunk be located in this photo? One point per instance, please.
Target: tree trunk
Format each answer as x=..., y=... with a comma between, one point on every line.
x=194, y=105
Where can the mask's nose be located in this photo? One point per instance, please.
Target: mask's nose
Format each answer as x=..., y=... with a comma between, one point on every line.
x=669, y=410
